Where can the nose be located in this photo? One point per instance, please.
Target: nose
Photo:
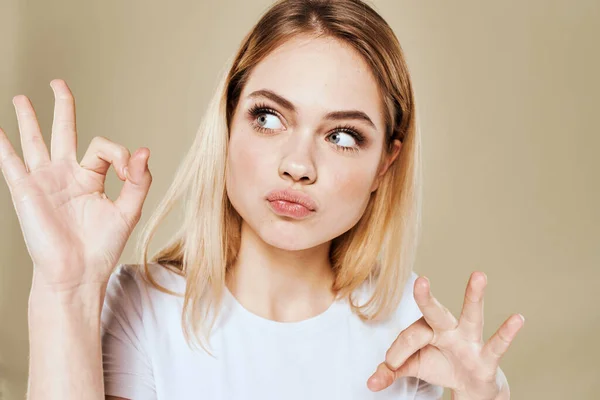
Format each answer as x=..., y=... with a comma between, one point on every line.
x=297, y=161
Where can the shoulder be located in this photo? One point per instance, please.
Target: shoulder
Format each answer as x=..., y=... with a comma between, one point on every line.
x=406, y=311
x=132, y=301
x=130, y=291
x=134, y=277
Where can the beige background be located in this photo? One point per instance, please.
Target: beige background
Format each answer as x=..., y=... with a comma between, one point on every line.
x=508, y=99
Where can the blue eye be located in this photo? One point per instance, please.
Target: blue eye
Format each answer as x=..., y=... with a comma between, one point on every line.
x=346, y=138
x=263, y=120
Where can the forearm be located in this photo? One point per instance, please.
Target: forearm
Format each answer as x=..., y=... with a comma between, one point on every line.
x=65, y=360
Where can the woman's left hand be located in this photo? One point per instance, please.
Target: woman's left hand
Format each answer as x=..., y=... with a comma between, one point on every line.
x=443, y=351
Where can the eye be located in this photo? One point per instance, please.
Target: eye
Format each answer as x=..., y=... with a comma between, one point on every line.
x=264, y=122
x=347, y=138
x=264, y=119
x=343, y=139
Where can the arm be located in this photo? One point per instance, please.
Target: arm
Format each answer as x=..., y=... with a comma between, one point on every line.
x=71, y=367
x=71, y=322
x=74, y=235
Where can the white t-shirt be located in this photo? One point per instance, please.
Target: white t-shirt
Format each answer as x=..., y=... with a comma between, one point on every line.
x=329, y=356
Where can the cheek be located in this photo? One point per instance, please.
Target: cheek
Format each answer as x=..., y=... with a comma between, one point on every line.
x=248, y=167
x=244, y=157
x=352, y=185
x=348, y=195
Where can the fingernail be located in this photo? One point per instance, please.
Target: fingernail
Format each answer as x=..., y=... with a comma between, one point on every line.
x=426, y=285
x=515, y=321
x=125, y=173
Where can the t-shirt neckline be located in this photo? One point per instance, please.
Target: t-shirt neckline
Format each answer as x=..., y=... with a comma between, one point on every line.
x=325, y=320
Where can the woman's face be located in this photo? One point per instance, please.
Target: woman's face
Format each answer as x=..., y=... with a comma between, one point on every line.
x=282, y=138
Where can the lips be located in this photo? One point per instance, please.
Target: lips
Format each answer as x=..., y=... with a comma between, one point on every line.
x=292, y=197
x=289, y=209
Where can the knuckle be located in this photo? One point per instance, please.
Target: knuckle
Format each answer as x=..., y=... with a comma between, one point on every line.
x=98, y=140
x=411, y=339
x=65, y=125
x=65, y=95
x=434, y=337
x=502, y=339
x=36, y=139
x=389, y=358
x=122, y=152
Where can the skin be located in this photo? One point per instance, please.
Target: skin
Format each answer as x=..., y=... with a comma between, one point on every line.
x=448, y=352
x=74, y=235
x=62, y=206
x=283, y=270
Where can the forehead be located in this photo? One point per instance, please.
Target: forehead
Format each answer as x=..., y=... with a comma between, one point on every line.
x=318, y=75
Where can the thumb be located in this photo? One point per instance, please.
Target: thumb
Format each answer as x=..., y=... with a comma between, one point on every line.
x=136, y=186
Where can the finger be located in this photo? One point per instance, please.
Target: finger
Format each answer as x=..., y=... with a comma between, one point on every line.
x=437, y=316
x=102, y=153
x=418, y=335
x=35, y=152
x=499, y=343
x=136, y=187
x=381, y=379
x=63, y=143
x=384, y=376
x=471, y=317
x=11, y=164
x=411, y=366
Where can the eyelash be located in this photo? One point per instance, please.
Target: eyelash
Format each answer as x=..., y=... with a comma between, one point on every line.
x=258, y=109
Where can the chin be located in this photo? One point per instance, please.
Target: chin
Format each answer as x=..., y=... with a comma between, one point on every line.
x=283, y=235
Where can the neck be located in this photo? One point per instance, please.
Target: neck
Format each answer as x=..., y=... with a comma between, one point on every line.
x=279, y=284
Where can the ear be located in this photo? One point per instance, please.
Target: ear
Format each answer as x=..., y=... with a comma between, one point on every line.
x=389, y=159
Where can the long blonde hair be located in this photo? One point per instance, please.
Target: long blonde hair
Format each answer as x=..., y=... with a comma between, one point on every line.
x=379, y=249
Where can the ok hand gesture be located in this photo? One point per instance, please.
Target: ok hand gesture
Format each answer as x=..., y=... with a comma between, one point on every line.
x=73, y=232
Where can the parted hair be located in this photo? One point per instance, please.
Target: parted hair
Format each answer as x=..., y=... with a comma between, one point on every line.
x=379, y=250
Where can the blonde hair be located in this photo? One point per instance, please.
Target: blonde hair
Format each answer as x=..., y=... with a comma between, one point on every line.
x=379, y=249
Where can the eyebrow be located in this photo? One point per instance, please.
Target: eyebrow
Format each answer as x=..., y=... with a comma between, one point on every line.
x=333, y=115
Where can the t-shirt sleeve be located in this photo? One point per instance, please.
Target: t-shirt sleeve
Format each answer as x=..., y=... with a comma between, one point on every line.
x=425, y=390
x=126, y=362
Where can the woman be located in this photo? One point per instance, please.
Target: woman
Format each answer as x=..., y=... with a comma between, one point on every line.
x=292, y=270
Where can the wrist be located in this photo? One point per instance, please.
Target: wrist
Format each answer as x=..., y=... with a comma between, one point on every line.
x=504, y=394
x=65, y=293
x=83, y=302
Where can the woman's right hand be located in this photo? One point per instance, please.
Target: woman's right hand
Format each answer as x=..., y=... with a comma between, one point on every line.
x=73, y=232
